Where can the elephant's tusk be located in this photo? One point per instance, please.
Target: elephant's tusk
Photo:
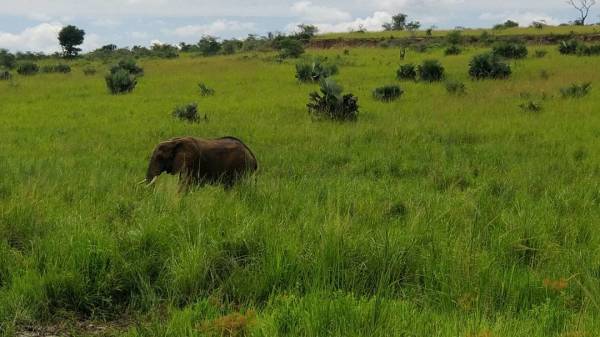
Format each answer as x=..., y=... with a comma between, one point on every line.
x=141, y=182
x=152, y=182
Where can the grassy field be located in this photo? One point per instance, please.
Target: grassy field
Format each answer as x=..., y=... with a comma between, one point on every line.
x=549, y=30
x=435, y=215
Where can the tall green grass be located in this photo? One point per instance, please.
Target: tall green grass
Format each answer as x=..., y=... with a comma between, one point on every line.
x=435, y=214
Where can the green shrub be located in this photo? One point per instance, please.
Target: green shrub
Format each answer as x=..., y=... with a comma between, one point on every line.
x=57, y=68
x=205, y=90
x=314, y=71
x=5, y=75
x=454, y=37
x=331, y=104
x=569, y=47
x=454, y=87
x=583, y=50
x=387, y=93
x=27, y=68
x=511, y=50
x=431, y=71
x=209, y=46
x=165, y=51
x=188, y=112
x=89, y=71
x=290, y=48
x=130, y=66
x=453, y=50
x=407, y=72
x=120, y=81
x=576, y=90
x=7, y=60
x=488, y=65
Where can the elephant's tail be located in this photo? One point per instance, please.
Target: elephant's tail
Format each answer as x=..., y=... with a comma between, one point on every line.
x=247, y=148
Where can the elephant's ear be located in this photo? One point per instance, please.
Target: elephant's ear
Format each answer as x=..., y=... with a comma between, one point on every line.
x=184, y=156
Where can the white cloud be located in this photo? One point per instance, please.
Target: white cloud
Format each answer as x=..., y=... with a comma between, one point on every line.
x=215, y=28
x=43, y=37
x=314, y=13
x=524, y=19
x=370, y=23
x=39, y=17
x=106, y=23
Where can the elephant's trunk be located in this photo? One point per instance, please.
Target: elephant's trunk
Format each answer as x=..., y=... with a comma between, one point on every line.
x=152, y=173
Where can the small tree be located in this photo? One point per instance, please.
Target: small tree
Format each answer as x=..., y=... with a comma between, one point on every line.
x=209, y=46
x=413, y=26
x=583, y=7
x=70, y=37
x=307, y=32
x=398, y=22
x=7, y=60
x=289, y=47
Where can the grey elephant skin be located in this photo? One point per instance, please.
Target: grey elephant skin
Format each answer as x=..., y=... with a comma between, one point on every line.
x=199, y=161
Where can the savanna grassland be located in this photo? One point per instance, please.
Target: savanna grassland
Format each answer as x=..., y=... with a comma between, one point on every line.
x=434, y=215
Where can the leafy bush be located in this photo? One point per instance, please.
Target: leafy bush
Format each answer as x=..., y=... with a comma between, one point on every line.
x=188, y=112
x=120, y=81
x=576, y=91
x=454, y=87
x=205, y=90
x=511, y=50
x=507, y=24
x=7, y=60
x=290, y=48
x=89, y=71
x=583, y=50
x=453, y=50
x=314, y=71
x=57, y=68
x=488, y=65
x=407, y=72
x=431, y=71
x=165, y=51
x=331, y=104
x=209, y=46
x=5, y=75
x=130, y=66
x=454, y=37
x=569, y=47
x=387, y=93
x=27, y=68
x=229, y=47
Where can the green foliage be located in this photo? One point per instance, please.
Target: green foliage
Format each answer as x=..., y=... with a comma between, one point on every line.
x=69, y=37
x=407, y=72
x=187, y=112
x=507, y=24
x=205, y=90
x=387, y=93
x=431, y=71
x=56, y=68
x=315, y=70
x=5, y=75
x=510, y=50
x=130, y=66
x=229, y=47
x=398, y=22
x=488, y=65
x=27, y=68
x=209, y=46
x=7, y=60
x=306, y=32
x=120, y=81
x=453, y=50
x=290, y=48
x=332, y=104
x=569, y=47
x=455, y=87
x=454, y=37
x=165, y=51
x=576, y=90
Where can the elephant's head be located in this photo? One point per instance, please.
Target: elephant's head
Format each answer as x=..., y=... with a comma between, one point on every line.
x=173, y=156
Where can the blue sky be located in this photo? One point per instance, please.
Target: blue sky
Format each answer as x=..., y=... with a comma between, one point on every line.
x=34, y=24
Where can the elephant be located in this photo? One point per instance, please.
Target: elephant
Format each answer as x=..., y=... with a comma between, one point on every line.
x=200, y=161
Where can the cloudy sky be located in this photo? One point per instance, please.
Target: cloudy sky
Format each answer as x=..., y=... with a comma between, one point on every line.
x=32, y=25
